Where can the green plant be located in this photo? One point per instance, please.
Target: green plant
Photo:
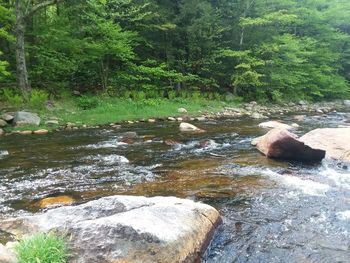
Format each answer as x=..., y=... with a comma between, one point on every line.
x=38, y=98
x=196, y=95
x=42, y=248
x=277, y=96
x=12, y=98
x=171, y=94
x=87, y=102
x=138, y=95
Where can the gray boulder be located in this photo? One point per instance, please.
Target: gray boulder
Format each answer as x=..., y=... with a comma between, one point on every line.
x=127, y=229
x=346, y=103
x=26, y=118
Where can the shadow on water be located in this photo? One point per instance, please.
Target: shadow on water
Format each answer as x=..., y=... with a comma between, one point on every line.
x=273, y=211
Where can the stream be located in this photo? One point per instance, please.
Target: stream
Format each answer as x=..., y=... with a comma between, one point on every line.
x=272, y=211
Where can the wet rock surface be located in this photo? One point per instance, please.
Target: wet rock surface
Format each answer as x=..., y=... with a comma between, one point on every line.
x=281, y=144
x=127, y=229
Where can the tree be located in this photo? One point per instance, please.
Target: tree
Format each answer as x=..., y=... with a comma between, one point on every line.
x=6, y=19
x=25, y=10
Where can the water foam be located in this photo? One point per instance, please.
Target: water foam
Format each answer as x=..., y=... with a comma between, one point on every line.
x=307, y=186
x=3, y=154
x=341, y=178
x=344, y=215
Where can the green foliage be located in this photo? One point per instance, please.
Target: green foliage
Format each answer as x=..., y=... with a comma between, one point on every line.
x=43, y=248
x=38, y=99
x=272, y=50
x=87, y=102
x=12, y=97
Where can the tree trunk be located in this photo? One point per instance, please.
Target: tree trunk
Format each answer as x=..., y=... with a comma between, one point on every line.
x=22, y=74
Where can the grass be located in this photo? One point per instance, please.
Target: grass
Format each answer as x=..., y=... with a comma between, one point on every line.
x=116, y=110
x=113, y=110
x=42, y=248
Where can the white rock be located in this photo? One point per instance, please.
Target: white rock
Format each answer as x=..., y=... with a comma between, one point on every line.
x=274, y=124
x=187, y=127
x=127, y=229
x=181, y=110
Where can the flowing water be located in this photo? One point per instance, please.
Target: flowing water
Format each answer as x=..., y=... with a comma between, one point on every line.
x=273, y=211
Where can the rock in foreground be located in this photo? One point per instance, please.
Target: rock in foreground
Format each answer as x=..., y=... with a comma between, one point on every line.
x=335, y=141
x=281, y=144
x=127, y=229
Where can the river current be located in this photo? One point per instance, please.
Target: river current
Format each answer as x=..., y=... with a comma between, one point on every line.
x=272, y=211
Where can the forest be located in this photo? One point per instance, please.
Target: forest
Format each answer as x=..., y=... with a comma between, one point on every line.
x=275, y=50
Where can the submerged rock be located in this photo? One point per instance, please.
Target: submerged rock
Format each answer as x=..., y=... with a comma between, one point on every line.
x=127, y=229
x=300, y=118
x=335, y=141
x=187, y=127
x=55, y=201
x=171, y=142
x=26, y=118
x=281, y=144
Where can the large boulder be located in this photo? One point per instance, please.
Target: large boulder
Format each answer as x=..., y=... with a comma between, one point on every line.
x=127, y=229
x=335, y=141
x=26, y=118
x=281, y=144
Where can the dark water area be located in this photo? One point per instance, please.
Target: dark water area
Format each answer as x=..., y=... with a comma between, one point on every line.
x=273, y=211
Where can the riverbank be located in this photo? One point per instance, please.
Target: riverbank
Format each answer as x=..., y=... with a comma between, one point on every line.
x=114, y=112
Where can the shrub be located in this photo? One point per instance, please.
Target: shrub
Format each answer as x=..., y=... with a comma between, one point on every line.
x=87, y=102
x=277, y=96
x=138, y=95
x=38, y=98
x=43, y=248
x=12, y=98
x=171, y=94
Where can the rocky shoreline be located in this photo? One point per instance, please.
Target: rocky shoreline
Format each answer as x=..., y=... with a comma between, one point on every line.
x=247, y=110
